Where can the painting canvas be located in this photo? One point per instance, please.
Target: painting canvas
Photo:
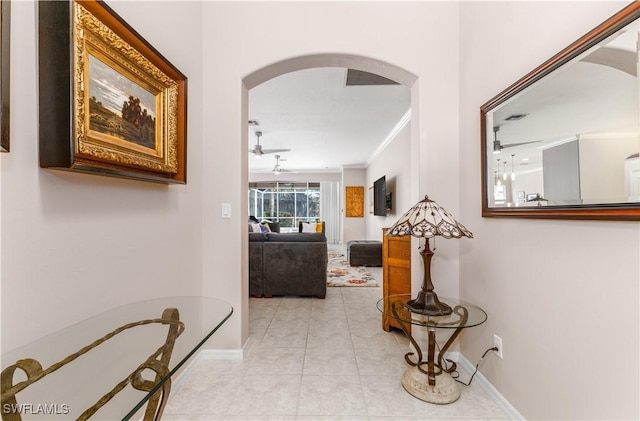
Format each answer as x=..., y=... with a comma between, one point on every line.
x=120, y=107
x=354, y=200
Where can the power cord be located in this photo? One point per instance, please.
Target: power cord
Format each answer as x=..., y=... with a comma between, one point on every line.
x=455, y=374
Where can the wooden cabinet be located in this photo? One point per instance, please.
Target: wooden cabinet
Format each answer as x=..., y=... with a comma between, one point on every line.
x=396, y=271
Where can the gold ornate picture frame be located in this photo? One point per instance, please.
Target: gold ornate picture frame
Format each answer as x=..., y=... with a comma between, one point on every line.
x=5, y=68
x=109, y=102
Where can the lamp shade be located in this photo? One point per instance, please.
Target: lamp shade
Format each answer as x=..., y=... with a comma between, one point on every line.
x=428, y=219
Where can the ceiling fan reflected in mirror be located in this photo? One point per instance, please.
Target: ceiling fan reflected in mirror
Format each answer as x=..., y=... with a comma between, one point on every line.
x=498, y=146
x=278, y=168
x=257, y=150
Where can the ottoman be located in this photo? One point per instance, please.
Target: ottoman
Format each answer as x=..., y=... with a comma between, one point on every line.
x=364, y=252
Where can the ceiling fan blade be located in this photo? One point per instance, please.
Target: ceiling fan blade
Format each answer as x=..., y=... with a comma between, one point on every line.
x=275, y=150
x=281, y=170
x=498, y=146
x=511, y=145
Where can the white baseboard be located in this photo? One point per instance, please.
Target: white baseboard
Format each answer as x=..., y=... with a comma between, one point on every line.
x=209, y=354
x=222, y=354
x=488, y=388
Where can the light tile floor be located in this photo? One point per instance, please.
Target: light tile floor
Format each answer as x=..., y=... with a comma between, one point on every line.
x=313, y=359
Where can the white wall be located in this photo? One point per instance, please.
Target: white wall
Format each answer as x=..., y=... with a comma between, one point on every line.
x=529, y=183
x=562, y=294
x=353, y=227
x=602, y=174
x=392, y=162
x=74, y=245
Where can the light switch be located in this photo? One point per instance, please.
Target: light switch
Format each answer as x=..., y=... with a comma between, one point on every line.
x=226, y=210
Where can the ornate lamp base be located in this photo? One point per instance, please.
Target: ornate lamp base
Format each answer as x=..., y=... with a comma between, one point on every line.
x=428, y=304
x=416, y=383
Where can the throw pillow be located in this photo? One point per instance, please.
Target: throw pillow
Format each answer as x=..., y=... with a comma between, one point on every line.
x=264, y=228
x=274, y=226
x=319, y=226
x=255, y=227
x=309, y=227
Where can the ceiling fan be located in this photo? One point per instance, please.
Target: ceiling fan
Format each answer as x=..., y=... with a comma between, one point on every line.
x=497, y=146
x=258, y=151
x=278, y=169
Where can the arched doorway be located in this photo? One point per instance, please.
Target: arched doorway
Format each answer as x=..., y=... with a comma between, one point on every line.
x=268, y=72
x=370, y=65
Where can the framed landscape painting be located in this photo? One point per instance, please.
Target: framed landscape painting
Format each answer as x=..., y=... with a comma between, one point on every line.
x=109, y=102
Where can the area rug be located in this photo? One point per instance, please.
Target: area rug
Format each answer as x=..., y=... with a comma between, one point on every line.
x=341, y=274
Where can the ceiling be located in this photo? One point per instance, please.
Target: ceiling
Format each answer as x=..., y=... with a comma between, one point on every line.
x=325, y=123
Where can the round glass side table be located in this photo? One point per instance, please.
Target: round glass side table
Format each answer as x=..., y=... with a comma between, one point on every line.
x=429, y=380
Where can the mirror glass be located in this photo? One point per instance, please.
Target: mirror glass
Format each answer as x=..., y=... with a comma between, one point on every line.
x=566, y=137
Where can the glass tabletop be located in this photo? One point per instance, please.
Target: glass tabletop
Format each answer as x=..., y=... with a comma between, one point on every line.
x=103, y=351
x=463, y=315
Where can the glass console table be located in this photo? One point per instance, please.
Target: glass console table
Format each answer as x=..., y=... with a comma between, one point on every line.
x=430, y=379
x=109, y=366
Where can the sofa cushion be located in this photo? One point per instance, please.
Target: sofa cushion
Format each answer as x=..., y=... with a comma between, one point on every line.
x=273, y=226
x=257, y=236
x=295, y=268
x=311, y=226
x=256, y=268
x=300, y=237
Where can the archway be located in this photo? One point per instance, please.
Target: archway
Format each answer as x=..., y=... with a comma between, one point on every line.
x=366, y=64
x=273, y=70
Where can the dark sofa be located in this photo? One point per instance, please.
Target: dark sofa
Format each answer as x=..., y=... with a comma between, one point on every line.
x=287, y=264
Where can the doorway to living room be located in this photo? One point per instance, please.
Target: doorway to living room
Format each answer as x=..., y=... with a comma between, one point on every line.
x=277, y=163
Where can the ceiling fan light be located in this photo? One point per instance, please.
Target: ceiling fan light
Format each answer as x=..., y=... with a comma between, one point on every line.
x=513, y=173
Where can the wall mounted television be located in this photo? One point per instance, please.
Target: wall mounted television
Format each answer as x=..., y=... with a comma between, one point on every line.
x=380, y=197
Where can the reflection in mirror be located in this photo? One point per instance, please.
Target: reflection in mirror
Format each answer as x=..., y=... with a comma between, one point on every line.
x=571, y=138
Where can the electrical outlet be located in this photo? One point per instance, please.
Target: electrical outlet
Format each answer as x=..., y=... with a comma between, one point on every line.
x=497, y=342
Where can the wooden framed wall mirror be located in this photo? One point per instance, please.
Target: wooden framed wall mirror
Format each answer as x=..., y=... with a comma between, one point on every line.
x=563, y=141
